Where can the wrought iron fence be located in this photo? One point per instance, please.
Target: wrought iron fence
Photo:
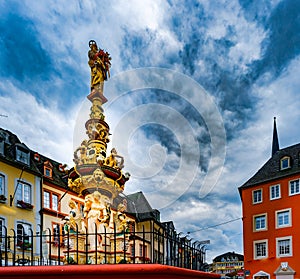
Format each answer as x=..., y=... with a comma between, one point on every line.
x=45, y=247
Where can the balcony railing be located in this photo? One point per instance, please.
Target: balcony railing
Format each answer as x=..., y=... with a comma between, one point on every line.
x=108, y=247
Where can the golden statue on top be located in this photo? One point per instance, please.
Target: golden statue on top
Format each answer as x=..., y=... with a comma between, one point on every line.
x=99, y=62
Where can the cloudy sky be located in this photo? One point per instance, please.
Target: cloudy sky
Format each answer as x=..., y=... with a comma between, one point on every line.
x=193, y=91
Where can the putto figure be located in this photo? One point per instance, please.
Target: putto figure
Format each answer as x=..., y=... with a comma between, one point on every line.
x=99, y=62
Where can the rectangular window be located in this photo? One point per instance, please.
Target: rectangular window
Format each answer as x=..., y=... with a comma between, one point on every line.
x=132, y=250
x=294, y=187
x=58, y=234
x=54, y=202
x=23, y=192
x=275, y=192
x=48, y=172
x=285, y=163
x=2, y=224
x=260, y=249
x=1, y=146
x=257, y=196
x=143, y=250
x=51, y=200
x=284, y=246
x=260, y=222
x=22, y=156
x=2, y=184
x=283, y=218
x=46, y=199
x=24, y=235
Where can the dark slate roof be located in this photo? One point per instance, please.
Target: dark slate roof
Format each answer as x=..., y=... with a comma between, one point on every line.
x=138, y=206
x=9, y=156
x=230, y=256
x=59, y=178
x=271, y=169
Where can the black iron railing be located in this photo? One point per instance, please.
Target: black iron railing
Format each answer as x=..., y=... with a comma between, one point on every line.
x=46, y=247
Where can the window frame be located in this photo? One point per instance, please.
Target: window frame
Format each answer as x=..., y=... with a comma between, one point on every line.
x=279, y=192
x=55, y=239
x=2, y=224
x=284, y=159
x=278, y=239
x=255, y=251
x=20, y=151
x=277, y=212
x=4, y=184
x=51, y=195
x=265, y=228
x=26, y=226
x=297, y=186
x=261, y=196
x=20, y=185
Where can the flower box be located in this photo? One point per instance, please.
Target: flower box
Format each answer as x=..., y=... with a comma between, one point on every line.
x=2, y=198
x=25, y=205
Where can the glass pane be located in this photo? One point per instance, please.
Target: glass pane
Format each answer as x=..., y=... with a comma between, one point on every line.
x=27, y=193
x=54, y=202
x=46, y=200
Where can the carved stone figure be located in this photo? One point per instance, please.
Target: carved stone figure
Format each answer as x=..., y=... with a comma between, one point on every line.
x=96, y=218
x=75, y=218
x=114, y=160
x=99, y=62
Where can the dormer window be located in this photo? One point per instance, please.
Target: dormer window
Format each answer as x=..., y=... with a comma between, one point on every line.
x=1, y=146
x=36, y=157
x=48, y=169
x=285, y=163
x=22, y=155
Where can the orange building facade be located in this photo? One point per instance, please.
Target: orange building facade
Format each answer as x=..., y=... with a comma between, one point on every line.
x=271, y=214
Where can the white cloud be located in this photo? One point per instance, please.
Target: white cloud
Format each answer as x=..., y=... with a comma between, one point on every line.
x=43, y=129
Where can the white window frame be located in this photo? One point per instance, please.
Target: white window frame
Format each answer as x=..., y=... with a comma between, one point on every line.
x=255, y=217
x=47, y=200
x=297, y=186
x=278, y=239
x=20, y=184
x=255, y=252
x=4, y=186
x=26, y=227
x=284, y=159
x=279, y=191
x=3, y=223
x=278, y=212
x=54, y=205
x=253, y=196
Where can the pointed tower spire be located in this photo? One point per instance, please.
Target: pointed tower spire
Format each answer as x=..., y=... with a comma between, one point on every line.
x=275, y=143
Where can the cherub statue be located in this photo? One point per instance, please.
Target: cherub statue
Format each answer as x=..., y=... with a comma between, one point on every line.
x=82, y=149
x=112, y=160
x=121, y=216
x=75, y=218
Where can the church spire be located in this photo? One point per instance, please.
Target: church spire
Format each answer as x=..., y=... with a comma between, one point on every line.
x=275, y=143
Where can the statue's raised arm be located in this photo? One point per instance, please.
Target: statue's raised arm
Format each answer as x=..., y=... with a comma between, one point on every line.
x=99, y=62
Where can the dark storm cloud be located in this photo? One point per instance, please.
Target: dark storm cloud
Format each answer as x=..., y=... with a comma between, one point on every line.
x=283, y=42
